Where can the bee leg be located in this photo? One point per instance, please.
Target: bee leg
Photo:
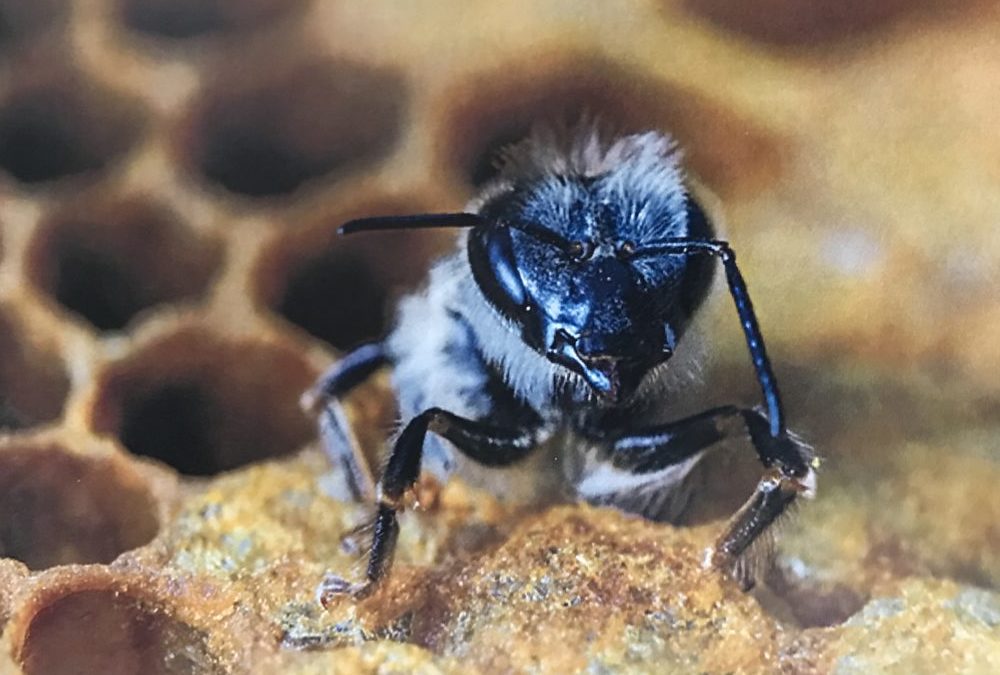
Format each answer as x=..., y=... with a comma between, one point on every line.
x=488, y=445
x=790, y=471
x=662, y=454
x=336, y=435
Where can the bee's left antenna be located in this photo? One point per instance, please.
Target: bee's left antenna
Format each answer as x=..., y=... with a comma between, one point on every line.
x=413, y=222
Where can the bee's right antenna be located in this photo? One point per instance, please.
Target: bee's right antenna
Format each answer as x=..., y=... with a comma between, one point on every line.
x=748, y=319
x=414, y=222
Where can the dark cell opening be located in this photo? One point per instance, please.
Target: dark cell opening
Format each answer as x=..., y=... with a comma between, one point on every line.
x=37, y=145
x=63, y=128
x=183, y=19
x=243, y=160
x=268, y=139
x=97, y=288
x=11, y=419
x=807, y=23
x=173, y=425
x=343, y=289
x=205, y=404
x=809, y=602
x=108, y=261
x=338, y=299
x=20, y=19
x=173, y=18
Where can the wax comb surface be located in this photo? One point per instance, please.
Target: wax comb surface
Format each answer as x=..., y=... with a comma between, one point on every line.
x=172, y=175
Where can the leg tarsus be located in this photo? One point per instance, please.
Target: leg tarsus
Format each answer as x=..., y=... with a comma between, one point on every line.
x=735, y=552
x=385, y=534
x=333, y=586
x=790, y=472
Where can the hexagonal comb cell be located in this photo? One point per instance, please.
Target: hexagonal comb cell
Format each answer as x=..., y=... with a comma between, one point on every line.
x=181, y=19
x=262, y=139
x=106, y=261
x=92, y=624
x=203, y=403
x=492, y=110
x=33, y=379
x=59, y=508
x=62, y=124
x=340, y=289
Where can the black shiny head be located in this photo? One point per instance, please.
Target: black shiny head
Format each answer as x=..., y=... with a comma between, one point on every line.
x=582, y=289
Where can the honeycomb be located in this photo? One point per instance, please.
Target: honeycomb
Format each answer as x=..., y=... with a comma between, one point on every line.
x=172, y=173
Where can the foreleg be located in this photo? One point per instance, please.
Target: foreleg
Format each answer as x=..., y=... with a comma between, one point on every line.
x=485, y=444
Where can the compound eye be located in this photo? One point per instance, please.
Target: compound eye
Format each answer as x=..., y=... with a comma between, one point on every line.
x=625, y=250
x=495, y=269
x=580, y=250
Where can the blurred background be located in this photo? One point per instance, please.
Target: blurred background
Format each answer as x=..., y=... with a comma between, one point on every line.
x=172, y=173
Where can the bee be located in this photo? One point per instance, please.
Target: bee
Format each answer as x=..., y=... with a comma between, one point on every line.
x=556, y=337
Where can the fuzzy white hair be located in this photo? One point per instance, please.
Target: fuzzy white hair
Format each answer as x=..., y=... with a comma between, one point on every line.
x=643, y=172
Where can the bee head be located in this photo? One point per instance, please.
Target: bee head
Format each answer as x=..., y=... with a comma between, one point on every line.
x=567, y=251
